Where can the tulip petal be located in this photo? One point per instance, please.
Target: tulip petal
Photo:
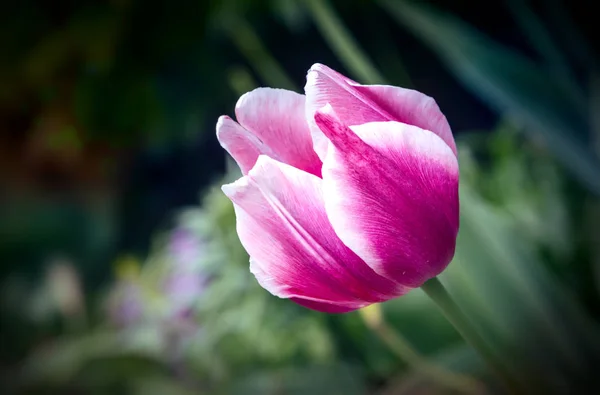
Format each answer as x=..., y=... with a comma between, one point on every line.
x=295, y=253
x=323, y=306
x=356, y=104
x=272, y=123
x=241, y=144
x=283, y=290
x=391, y=194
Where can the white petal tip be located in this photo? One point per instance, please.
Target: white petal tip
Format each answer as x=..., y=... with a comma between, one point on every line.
x=232, y=190
x=223, y=123
x=243, y=99
x=314, y=74
x=317, y=67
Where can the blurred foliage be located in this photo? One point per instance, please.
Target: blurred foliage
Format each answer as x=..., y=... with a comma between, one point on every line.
x=107, y=114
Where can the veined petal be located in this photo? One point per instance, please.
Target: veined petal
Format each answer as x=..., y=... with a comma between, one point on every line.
x=276, y=118
x=241, y=144
x=282, y=290
x=324, y=306
x=356, y=104
x=295, y=253
x=391, y=194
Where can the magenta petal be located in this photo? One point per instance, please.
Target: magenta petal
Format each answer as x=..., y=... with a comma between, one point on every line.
x=295, y=253
x=283, y=290
x=276, y=117
x=391, y=194
x=325, y=307
x=356, y=104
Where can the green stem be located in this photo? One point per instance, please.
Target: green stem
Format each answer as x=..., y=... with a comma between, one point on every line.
x=342, y=43
x=240, y=80
x=400, y=346
x=251, y=46
x=438, y=293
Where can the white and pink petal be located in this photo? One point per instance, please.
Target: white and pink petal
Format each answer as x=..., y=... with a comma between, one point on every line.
x=295, y=253
x=356, y=104
x=391, y=194
x=277, y=118
x=243, y=146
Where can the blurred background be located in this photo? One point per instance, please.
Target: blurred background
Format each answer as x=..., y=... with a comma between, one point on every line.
x=121, y=272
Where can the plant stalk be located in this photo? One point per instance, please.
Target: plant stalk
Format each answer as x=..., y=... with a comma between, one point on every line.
x=400, y=346
x=440, y=296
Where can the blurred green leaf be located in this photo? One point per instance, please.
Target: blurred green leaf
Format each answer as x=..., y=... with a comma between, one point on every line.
x=341, y=41
x=539, y=37
x=523, y=181
x=461, y=359
x=572, y=38
x=64, y=359
x=249, y=43
x=292, y=13
x=157, y=385
x=315, y=380
x=531, y=320
x=510, y=83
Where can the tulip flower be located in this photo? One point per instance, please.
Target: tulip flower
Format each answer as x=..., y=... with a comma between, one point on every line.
x=349, y=194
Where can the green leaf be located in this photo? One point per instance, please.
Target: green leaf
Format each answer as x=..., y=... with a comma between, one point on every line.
x=508, y=82
x=64, y=358
x=500, y=281
x=316, y=379
x=461, y=359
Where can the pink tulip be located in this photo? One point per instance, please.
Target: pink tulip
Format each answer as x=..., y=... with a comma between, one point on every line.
x=350, y=193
